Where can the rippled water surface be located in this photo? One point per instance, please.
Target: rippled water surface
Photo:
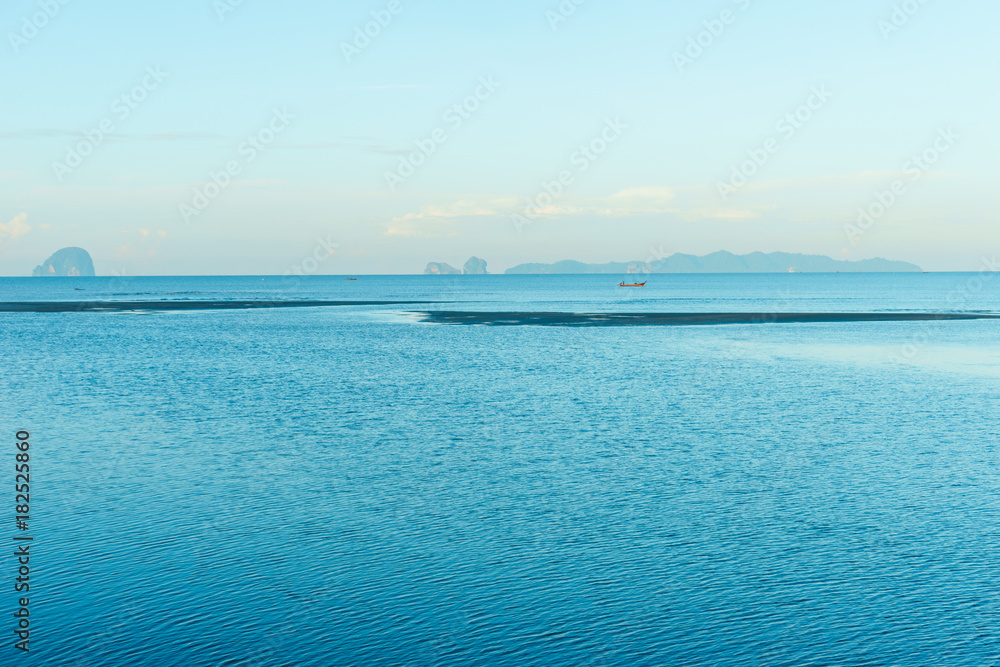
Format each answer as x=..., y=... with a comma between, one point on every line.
x=351, y=486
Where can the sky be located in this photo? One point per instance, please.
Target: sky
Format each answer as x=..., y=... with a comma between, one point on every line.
x=244, y=136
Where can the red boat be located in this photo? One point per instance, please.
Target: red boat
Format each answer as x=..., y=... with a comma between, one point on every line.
x=642, y=284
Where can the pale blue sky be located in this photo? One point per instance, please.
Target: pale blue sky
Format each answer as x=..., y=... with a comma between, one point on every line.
x=654, y=190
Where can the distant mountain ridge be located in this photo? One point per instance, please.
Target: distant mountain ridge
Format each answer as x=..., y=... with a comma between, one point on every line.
x=726, y=262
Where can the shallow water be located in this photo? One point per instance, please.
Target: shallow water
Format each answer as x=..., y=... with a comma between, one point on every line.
x=349, y=485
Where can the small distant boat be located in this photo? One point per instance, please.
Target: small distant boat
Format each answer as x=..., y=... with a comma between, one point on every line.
x=642, y=284
x=352, y=278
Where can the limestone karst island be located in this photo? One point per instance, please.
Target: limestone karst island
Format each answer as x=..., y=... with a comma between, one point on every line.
x=68, y=262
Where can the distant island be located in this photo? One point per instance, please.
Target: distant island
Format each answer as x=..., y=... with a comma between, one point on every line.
x=726, y=262
x=68, y=262
x=474, y=267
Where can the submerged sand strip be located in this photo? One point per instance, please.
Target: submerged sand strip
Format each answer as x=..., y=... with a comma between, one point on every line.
x=118, y=306
x=677, y=319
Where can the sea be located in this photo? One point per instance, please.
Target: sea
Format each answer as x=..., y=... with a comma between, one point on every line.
x=356, y=484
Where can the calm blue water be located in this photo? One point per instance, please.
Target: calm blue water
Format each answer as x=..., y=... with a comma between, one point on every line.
x=349, y=486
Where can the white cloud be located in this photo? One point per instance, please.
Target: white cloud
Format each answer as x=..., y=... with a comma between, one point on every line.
x=651, y=192
x=723, y=213
x=14, y=229
x=635, y=201
x=408, y=230
x=461, y=208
